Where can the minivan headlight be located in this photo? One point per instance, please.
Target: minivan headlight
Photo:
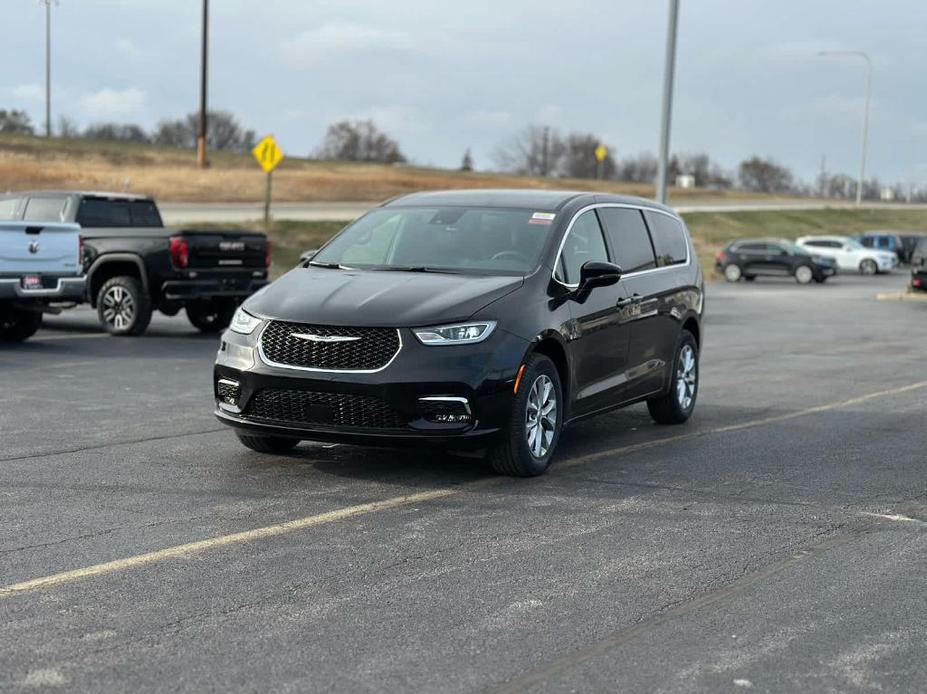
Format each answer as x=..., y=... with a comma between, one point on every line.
x=243, y=322
x=459, y=334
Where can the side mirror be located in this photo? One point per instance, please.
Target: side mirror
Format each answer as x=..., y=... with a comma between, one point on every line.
x=596, y=273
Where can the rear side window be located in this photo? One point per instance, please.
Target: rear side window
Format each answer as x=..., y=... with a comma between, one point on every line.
x=750, y=248
x=9, y=208
x=97, y=212
x=584, y=243
x=45, y=209
x=669, y=239
x=628, y=237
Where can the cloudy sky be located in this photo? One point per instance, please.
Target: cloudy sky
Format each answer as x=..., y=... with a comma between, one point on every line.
x=441, y=76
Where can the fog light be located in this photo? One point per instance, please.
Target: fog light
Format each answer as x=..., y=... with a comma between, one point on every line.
x=445, y=409
x=227, y=394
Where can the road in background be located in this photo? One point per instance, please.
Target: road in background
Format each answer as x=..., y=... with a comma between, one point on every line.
x=778, y=541
x=192, y=212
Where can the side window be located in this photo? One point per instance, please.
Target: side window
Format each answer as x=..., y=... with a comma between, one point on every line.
x=9, y=208
x=884, y=242
x=751, y=248
x=669, y=239
x=628, y=237
x=45, y=209
x=94, y=212
x=866, y=241
x=585, y=242
x=817, y=244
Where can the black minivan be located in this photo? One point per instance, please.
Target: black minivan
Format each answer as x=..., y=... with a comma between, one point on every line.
x=471, y=320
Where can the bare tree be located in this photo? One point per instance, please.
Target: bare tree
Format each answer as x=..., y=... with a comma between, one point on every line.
x=764, y=176
x=466, y=164
x=15, y=122
x=359, y=141
x=67, y=127
x=225, y=133
x=535, y=151
x=579, y=160
x=128, y=132
x=641, y=168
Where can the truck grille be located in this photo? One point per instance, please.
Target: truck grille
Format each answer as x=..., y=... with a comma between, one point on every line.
x=351, y=349
x=331, y=409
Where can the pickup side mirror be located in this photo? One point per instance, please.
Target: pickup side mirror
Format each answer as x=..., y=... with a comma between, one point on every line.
x=596, y=273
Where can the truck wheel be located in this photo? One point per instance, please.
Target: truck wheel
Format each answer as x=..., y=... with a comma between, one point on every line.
x=537, y=418
x=211, y=316
x=17, y=325
x=123, y=306
x=267, y=444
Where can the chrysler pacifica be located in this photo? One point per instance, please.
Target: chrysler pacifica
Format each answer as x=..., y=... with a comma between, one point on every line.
x=482, y=320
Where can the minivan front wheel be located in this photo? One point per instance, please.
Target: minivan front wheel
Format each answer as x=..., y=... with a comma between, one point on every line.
x=677, y=404
x=536, y=420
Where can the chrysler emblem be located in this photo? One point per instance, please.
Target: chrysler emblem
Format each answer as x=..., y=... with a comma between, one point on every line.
x=34, y=247
x=310, y=337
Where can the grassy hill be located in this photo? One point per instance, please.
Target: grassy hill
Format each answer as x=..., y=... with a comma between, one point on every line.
x=171, y=174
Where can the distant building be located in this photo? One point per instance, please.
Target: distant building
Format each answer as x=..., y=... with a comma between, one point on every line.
x=685, y=181
x=887, y=194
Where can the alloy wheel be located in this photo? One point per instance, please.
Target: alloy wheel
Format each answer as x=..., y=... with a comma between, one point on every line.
x=541, y=416
x=686, y=376
x=803, y=274
x=732, y=273
x=118, y=307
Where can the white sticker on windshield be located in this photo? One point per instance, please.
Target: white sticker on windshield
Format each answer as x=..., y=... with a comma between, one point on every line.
x=542, y=218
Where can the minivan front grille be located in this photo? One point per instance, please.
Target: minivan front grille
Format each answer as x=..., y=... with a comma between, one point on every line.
x=329, y=348
x=329, y=409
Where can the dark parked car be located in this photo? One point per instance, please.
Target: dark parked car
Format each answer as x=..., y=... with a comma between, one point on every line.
x=919, y=266
x=908, y=244
x=134, y=265
x=751, y=258
x=471, y=319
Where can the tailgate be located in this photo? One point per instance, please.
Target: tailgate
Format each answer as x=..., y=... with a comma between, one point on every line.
x=226, y=249
x=39, y=248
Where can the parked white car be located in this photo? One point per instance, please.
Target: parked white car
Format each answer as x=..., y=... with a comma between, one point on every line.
x=850, y=254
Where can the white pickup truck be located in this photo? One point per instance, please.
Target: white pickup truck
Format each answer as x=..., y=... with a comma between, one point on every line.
x=40, y=267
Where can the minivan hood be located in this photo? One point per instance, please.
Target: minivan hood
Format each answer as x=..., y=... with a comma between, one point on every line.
x=377, y=298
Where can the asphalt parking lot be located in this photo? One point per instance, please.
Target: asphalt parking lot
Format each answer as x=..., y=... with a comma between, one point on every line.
x=778, y=542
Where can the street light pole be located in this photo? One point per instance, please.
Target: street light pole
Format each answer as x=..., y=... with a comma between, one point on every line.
x=865, y=144
x=47, y=4
x=668, y=74
x=201, y=160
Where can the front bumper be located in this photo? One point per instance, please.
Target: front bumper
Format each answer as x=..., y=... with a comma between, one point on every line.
x=61, y=289
x=475, y=379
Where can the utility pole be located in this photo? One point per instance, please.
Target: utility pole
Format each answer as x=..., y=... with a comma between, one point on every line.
x=201, y=160
x=865, y=143
x=666, y=117
x=545, y=151
x=48, y=126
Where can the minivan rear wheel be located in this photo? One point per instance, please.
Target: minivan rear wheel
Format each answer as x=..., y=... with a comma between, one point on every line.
x=536, y=420
x=267, y=444
x=676, y=405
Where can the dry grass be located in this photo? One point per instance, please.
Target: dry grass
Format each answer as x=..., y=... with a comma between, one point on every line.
x=170, y=174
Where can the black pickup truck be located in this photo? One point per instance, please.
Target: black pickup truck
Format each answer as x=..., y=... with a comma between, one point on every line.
x=134, y=265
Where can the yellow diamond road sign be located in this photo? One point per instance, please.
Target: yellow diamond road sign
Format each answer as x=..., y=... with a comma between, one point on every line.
x=268, y=154
x=601, y=152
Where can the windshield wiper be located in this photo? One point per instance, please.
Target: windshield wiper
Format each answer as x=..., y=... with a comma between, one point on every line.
x=330, y=266
x=416, y=268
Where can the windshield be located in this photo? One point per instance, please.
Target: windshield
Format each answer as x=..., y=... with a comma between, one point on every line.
x=855, y=245
x=452, y=239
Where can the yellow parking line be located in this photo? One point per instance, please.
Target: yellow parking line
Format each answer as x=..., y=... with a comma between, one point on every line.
x=190, y=548
x=76, y=336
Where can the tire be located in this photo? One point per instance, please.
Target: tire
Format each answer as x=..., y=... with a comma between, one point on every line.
x=210, y=316
x=526, y=450
x=17, y=325
x=750, y=278
x=868, y=267
x=804, y=274
x=732, y=272
x=123, y=306
x=676, y=405
x=267, y=444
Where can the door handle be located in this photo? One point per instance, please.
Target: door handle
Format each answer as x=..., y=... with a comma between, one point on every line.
x=628, y=300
